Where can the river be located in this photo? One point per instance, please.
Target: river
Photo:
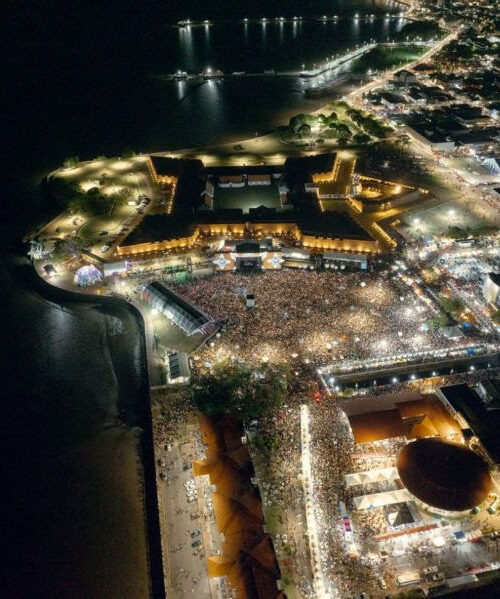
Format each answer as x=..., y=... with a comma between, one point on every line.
x=80, y=80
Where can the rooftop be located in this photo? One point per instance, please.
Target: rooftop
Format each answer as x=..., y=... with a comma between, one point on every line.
x=484, y=423
x=494, y=277
x=445, y=475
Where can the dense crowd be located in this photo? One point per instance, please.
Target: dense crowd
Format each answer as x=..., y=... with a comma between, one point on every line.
x=170, y=411
x=309, y=319
x=333, y=450
x=313, y=318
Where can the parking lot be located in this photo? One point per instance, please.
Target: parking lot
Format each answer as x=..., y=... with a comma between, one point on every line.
x=186, y=543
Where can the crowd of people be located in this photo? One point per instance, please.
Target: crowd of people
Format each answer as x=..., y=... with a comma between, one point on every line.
x=333, y=450
x=307, y=320
x=313, y=318
x=170, y=412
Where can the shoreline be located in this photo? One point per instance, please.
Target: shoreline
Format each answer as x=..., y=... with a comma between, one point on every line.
x=145, y=439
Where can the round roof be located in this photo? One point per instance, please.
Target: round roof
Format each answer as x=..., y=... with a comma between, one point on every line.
x=444, y=475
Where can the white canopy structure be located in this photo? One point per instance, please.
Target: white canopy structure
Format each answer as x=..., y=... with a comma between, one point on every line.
x=371, y=476
x=366, y=502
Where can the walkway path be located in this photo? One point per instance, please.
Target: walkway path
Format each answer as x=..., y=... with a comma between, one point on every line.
x=307, y=483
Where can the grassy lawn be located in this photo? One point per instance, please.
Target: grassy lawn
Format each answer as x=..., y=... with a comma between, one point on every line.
x=92, y=229
x=384, y=58
x=250, y=196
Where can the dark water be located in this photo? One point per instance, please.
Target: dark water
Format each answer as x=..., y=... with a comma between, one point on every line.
x=77, y=80
x=74, y=419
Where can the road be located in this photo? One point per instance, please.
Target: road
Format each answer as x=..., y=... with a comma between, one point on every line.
x=358, y=92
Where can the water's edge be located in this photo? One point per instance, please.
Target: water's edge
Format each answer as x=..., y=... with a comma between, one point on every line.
x=146, y=446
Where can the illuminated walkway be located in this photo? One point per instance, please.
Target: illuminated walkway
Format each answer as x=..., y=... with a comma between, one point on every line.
x=307, y=483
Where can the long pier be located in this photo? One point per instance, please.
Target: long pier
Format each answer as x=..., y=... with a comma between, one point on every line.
x=187, y=24
x=309, y=75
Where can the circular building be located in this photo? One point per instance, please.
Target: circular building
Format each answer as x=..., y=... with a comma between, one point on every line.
x=444, y=475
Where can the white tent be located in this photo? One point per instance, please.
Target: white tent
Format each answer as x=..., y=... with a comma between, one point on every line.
x=366, y=502
x=371, y=476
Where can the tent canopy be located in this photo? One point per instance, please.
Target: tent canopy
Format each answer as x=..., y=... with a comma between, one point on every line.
x=366, y=502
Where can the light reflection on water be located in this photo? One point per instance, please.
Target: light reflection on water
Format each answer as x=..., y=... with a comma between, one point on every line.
x=201, y=113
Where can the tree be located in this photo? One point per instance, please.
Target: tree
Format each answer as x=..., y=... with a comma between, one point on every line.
x=127, y=153
x=361, y=139
x=238, y=389
x=404, y=140
x=224, y=390
x=343, y=140
x=425, y=30
x=296, y=121
x=76, y=205
x=333, y=117
x=121, y=196
x=344, y=134
x=71, y=161
x=63, y=250
x=271, y=391
x=455, y=232
x=452, y=305
x=438, y=321
x=304, y=130
x=93, y=202
x=411, y=594
x=343, y=129
x=67, y=192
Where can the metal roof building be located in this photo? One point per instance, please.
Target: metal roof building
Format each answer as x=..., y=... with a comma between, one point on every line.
x=175, y=308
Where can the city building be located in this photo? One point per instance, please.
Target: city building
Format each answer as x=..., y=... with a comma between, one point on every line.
x=436, y=467
x=246, y=554
x=404, y=76
x=477, y=412
x=254, y=201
